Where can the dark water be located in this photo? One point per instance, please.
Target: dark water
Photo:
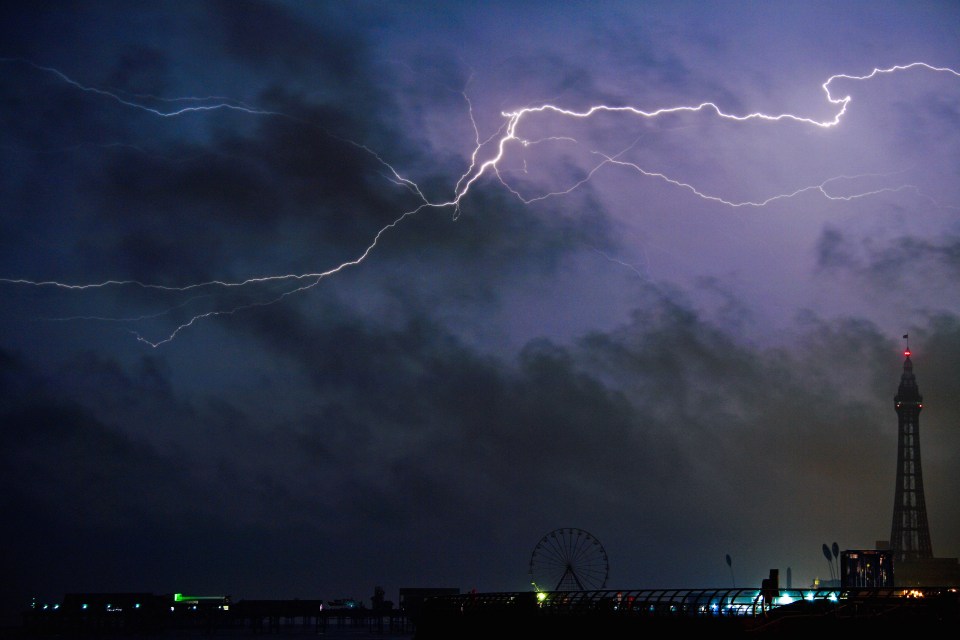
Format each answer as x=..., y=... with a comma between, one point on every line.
x=333, y=630
x=18, y=633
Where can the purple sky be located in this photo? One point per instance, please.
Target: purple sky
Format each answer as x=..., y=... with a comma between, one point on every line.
x=680, y=332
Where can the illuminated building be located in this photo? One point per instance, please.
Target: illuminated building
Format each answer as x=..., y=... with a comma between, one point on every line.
x=866, y=568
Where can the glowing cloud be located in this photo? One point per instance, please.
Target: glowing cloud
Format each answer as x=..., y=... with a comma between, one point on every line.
x=485, y=160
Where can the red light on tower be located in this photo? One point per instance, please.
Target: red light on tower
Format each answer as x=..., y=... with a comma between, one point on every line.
x=907, y=353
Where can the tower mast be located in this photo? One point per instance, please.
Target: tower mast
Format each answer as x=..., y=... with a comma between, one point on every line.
x=910, y=533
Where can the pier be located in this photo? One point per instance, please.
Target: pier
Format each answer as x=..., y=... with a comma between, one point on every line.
x=713, y=612
x=602, y=614
x=124, y=614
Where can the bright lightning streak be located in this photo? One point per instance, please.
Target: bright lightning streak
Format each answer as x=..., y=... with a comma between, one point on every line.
x=315, y=277
x=500, y=140
x=515, y=116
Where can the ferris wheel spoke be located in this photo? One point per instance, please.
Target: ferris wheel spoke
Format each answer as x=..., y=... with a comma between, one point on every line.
x=569, y=559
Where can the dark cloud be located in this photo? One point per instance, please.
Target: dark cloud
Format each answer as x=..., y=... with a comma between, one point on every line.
x=642, y=355
x=902, y=260
x=418, y=432
x=916, y=257
x=833, y=250
x=275, y=39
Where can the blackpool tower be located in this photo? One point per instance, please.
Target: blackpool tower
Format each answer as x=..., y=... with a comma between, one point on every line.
x=910, y=533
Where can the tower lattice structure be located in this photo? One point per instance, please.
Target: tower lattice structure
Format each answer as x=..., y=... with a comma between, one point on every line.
x=910, y=533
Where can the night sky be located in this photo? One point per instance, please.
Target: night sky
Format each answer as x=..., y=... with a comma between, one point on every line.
x=293, y=307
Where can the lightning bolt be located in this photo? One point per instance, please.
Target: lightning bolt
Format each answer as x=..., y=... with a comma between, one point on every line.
x=216, y=103
x=494, y=148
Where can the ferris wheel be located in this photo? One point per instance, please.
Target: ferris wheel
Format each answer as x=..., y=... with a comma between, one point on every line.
x=569, y=560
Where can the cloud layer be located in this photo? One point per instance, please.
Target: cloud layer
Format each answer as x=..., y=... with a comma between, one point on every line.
x=647, y=356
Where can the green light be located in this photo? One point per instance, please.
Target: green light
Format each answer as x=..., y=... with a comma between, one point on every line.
x=179, y=597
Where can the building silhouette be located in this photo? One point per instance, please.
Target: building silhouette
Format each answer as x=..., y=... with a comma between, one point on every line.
x=914, y=564
x=910, y=531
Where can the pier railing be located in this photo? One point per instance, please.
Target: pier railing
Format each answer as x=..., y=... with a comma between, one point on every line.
x=697, y=602
x=709, y=609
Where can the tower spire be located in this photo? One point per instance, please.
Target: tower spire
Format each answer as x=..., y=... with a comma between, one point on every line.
x=910, y=533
